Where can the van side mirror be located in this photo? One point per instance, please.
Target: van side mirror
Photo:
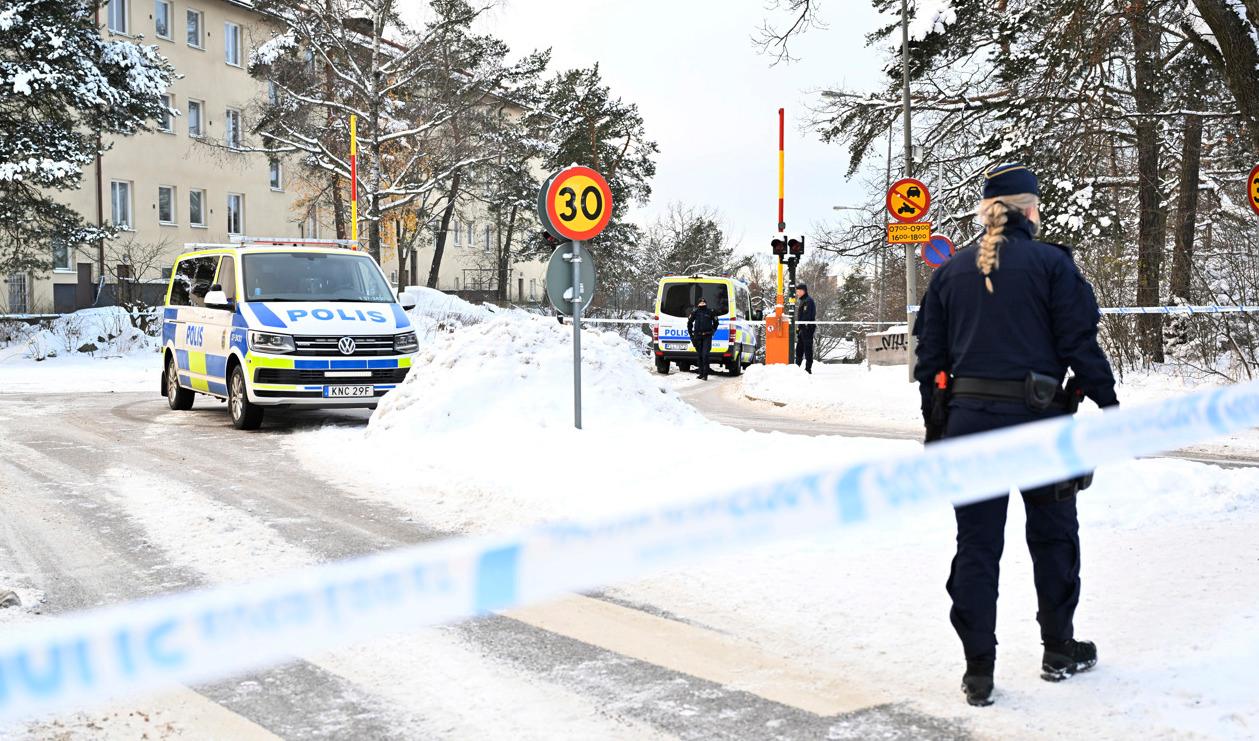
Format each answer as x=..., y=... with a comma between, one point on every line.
x=758, y=315
x=217, y=300
x=407, y=300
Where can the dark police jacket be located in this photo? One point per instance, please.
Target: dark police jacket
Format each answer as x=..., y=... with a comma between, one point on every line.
x=1042, y=317
x=702, y=322
x=806, y=311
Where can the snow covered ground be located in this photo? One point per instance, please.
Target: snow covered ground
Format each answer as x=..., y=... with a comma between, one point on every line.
x=883, y=396
x=483, y=424
x=93, y=350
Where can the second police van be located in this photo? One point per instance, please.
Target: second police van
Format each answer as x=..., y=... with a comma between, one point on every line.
x=282, y=323
x=735, y=341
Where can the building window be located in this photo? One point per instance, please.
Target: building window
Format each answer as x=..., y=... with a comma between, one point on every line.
x=118, y=16
x=166, y=204
x=277, y=175
x=120, y=203
x=457, y=231
x=310, y=226
x=232, y=134
x=162, y=18
x=273, y=93
x=231, y=43
x=60, y=254
x=196, y=118
x=194, y=29
x=165, y=121
x=489, y=233
x=235, y=213
x=196, y=207
x=471, y=235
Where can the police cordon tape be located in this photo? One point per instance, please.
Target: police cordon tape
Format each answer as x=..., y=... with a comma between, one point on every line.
x=198, y=636
x=1203, y=309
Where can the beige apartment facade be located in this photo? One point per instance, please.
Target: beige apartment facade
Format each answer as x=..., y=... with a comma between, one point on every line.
x=188, y=184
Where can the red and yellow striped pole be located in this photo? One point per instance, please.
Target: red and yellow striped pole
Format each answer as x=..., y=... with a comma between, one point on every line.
x=354, y=180
x=782, y=224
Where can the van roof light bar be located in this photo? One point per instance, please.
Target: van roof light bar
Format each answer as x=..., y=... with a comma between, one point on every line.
x=238, y=241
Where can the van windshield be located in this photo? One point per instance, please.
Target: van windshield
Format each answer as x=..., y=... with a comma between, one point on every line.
x=314, y=276
x=679, y=299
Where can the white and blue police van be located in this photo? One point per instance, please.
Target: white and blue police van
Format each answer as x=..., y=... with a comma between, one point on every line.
x=282, y=323
x=735, y=341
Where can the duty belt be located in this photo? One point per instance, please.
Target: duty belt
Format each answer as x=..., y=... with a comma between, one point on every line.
x=988, y=389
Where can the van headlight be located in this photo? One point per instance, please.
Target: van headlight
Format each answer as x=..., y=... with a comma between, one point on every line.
x=405, y=342
x=271, y=343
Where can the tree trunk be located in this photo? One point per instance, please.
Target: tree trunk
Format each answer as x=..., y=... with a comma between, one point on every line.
x=504, y=258
x=1151, y=223
x=338, y=208
x=1187, y=207
x=1235, y=55
x=440, y=248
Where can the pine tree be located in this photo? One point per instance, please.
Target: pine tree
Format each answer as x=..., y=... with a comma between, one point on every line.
x=62, y=88
x=594, y=128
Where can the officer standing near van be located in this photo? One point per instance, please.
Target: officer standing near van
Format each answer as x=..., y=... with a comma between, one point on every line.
x=1000, y=324
x=806, y=311
x=701, y=326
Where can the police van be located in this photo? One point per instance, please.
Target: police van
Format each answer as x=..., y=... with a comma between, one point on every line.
x=734, y=342
x=282, y=323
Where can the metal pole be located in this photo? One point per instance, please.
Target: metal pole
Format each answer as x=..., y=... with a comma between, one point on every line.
x=887, y=185
x=911, y=273
x=577, y=304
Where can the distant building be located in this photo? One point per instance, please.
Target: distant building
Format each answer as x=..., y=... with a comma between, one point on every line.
x=175, y=186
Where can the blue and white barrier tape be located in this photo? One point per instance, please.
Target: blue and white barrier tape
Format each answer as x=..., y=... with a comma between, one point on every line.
x=1204, y=309
x=198, y=636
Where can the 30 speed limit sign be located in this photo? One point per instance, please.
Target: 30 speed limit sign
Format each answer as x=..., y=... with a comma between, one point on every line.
x=575, y=203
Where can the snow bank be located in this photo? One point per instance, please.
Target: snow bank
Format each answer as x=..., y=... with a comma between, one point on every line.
x=89, y=350
x=480, y=434
x=859, y=394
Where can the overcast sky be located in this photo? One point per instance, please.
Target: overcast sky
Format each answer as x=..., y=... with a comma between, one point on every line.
x=710, y=99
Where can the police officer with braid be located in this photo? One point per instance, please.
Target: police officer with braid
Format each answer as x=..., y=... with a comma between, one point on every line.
x=1000, y=325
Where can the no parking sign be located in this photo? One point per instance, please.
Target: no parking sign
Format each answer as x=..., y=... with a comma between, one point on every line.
x=937, y=250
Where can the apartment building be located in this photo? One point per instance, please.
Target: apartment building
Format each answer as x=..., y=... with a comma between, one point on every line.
x=187, y=183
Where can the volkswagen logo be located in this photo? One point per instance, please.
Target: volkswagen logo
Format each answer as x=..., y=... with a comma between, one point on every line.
x=346, y=345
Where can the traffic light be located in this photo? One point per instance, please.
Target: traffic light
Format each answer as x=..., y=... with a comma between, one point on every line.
x=780, y=246
x=796, y=246
x=550, y=240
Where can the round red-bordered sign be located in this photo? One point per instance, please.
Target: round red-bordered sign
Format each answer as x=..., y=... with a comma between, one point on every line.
x=937, y=250
x=1252, y=189
x=578, y=203
x=908, y=200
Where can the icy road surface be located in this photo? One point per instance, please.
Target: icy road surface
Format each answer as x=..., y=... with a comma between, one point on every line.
x=109, y=497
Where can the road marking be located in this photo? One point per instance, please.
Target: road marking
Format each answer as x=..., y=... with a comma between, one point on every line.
x=697, y=652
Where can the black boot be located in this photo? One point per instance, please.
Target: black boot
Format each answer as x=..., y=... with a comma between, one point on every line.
x=1066, y=658
x=977, y=683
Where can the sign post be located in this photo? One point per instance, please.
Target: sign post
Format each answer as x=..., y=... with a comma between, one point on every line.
x=576, y=204
x=908, y=201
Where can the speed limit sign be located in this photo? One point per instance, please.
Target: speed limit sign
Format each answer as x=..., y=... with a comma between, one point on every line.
x=576, y=203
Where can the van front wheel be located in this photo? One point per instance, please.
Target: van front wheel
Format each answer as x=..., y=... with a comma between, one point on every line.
x=177, y=398
x=245, y=414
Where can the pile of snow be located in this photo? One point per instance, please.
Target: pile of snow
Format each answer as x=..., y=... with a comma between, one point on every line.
x=436, y=312
x=514, y=374
x=88, y=350
x=481, y=433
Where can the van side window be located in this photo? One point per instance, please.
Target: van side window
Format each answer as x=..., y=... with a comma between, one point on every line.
x=181, y=282
x=227, y=277
x=741, y=303
x=203, y=270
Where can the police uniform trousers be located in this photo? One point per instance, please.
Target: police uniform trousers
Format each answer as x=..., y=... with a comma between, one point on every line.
x=804, y=347
x=703, y=345
x=1053, y=538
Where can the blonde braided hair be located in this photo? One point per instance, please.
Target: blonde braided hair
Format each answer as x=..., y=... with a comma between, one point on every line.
x=994, y=213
